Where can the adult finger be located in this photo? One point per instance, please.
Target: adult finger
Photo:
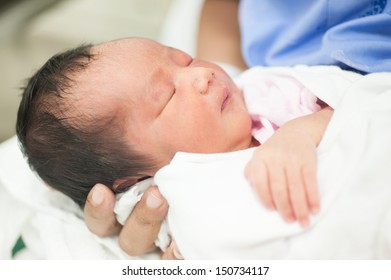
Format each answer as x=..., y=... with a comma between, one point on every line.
x=142, y=227
x=98, y=211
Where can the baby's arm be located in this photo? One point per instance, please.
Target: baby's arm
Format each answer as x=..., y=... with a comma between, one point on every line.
x=283, y=169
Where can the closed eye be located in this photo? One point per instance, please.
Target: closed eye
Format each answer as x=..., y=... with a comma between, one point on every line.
x=171, y=96
x=168, y=100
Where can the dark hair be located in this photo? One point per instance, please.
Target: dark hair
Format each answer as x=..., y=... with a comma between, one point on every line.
x=72, y=153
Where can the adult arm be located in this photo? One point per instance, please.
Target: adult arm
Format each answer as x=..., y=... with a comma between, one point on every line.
x=219, y=34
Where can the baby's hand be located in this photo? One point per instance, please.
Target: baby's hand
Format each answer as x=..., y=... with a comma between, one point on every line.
x=283, y=170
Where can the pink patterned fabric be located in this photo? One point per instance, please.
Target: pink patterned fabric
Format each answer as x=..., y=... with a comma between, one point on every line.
x=274, y=99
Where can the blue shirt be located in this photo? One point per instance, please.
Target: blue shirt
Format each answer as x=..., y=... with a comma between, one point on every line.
x=353, y=34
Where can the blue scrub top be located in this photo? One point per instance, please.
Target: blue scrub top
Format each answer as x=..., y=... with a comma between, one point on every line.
x=353, y=34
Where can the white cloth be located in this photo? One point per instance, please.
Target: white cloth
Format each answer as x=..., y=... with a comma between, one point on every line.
x=216, y=214
x=125, y=204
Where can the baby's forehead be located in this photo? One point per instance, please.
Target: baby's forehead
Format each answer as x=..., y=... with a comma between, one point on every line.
x=118, y=68
x=93, y=94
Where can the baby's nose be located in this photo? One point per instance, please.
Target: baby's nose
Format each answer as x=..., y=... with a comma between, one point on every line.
x=202, y=80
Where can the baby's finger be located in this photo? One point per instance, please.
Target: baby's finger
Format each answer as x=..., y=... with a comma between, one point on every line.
x=280, y=193
x=298, y=198
x=258, y=179
x=312, y=190
x=142, y=227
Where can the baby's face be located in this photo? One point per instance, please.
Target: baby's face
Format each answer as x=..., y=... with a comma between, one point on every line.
x=169, y=101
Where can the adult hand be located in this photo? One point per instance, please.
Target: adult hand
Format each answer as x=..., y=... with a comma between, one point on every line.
x=138, y=234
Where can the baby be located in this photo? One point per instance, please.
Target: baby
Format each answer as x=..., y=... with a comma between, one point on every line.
x=117, y=112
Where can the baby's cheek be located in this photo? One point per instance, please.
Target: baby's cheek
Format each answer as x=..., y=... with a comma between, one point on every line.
x=245, y=128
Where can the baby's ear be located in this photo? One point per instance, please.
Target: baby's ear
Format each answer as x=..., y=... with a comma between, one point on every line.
x=123, y=184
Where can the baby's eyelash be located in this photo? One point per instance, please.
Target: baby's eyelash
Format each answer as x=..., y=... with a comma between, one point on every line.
x=168, y=101
x=171, y=96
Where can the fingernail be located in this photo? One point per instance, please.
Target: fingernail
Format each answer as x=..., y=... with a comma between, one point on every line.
x=153, y=200
x=97, y=196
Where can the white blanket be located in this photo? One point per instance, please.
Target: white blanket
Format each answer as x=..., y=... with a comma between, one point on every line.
x=215, y=215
